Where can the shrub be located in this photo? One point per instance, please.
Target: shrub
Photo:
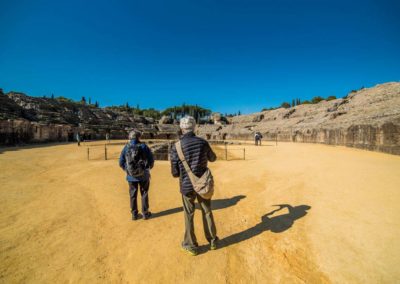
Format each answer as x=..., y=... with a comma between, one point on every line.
x=63, y=99
x=316, y=100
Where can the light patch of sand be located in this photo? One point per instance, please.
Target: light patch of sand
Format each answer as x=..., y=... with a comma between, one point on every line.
x=66, y=219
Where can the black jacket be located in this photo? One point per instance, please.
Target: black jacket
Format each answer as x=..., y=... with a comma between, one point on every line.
x=197, y=152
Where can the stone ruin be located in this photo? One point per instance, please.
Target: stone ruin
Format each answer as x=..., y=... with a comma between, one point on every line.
x=366, y=119
x=25, y=119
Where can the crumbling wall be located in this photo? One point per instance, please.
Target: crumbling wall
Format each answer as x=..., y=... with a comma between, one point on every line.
x=13, y=132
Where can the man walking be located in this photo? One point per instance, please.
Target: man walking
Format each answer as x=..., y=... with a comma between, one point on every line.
x=257, y=138
x=137, y=160
x=197, y=153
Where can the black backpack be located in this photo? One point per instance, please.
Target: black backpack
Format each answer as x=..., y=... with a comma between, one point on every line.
x=135, y=160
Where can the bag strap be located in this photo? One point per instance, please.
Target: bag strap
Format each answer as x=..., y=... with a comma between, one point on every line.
x=181, y=156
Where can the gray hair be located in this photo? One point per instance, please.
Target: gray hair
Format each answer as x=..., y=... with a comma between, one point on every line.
x=134, y=134
x=187, y=124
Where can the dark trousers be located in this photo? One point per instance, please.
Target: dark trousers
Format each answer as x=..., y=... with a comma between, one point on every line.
x=189, y=239
x=134, y=187
x=258, y=142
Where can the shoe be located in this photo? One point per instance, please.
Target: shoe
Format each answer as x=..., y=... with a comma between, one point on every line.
x=136, y=217
x=147, y=216
x=190, y=251
x=213, y=244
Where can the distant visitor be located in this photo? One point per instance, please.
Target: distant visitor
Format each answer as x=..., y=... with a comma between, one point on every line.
x=137, y=160
x=78, y=139
x=189, y=159
x=257, y=138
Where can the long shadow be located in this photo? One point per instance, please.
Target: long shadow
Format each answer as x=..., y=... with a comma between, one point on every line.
x=276, y=224
x=215, y=205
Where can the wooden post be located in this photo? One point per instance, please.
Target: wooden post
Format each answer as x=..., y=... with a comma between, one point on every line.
x=226, y=152
x=88, y=153
x=276, y=139
x=105, y=151
x=244, y=153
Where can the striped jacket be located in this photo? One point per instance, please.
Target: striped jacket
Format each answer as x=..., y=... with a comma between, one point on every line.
x=197, y=152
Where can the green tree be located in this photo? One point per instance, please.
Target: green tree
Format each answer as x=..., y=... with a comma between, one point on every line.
x=330, y=98
x=316, y=100
x=83, y=100
x=285, y=105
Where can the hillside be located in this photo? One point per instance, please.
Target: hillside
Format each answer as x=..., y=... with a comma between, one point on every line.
x=25, y=119
x=368, y=118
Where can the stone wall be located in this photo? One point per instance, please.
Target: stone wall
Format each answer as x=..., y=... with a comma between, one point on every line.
x=14, y=132
x=367, y=119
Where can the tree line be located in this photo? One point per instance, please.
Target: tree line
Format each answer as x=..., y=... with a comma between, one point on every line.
x=314, y=100
x=175, y=112
x=297, y=101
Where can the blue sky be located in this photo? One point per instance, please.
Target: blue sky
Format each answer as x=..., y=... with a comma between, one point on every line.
x=226, y=55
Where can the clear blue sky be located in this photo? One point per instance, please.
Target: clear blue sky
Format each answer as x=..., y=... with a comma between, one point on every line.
x=226, y=55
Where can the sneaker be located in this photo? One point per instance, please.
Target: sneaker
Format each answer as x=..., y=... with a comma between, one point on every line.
x=190, y=251
x=147, y=215
x=135, y=217
x=213, y=245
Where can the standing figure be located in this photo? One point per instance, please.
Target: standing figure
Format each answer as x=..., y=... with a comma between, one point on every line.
x=257, y=138
x=196, y=152
x=137, y=160
x=78, y=139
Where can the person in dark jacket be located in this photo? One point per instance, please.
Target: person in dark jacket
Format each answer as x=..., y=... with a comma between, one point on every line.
x=257, y=138
x=138, y=182
x=197, y=153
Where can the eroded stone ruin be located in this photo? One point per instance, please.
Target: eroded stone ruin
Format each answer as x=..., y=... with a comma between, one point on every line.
x=25, y=119
x=367, y=119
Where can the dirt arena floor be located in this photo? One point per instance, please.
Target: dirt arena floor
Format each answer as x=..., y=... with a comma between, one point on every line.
x=66, y=219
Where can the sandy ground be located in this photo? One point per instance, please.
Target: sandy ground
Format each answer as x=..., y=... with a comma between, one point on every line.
x=66, y=219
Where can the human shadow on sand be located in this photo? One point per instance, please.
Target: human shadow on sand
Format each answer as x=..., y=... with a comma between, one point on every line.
x=277, y=224
x=216, y=204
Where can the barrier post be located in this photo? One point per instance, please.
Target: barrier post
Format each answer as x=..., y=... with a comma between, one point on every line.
x=226, y=152
x=244, y=153
x=88, y=153
x=105, y=151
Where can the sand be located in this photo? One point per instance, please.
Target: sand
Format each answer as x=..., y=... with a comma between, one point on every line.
x=66, y=219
